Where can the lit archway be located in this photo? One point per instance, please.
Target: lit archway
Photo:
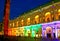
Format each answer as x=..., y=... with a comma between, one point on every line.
x=22, y=22
x=28, y=21
x=13, y=24
x=48, y=16
x=37, y=19
x=49, y=31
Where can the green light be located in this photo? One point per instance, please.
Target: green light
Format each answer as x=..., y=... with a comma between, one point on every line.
x=33, y=34
x=36, y=27
x=33, y=29
x=26, y=29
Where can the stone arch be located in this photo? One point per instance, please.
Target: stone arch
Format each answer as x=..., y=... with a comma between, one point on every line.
x=48, y=16
x=48, y=31
x=28, y=21
x=37, y=19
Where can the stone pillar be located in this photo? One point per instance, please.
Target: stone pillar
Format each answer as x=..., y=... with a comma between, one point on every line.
x=6, y=16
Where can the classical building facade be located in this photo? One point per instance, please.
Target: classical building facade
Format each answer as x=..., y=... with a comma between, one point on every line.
x=36, y=17
x=46, y=14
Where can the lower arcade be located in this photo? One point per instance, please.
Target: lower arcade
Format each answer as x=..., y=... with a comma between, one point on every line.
x=47, y=30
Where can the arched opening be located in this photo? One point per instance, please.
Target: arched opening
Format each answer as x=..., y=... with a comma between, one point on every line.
x=13, y=24
x=29, y=33
x=36, y=19
x=17, y=23
x=10, y=25
x=28, y=21
x=22, y=22
x=49, y=32
x=48, y=17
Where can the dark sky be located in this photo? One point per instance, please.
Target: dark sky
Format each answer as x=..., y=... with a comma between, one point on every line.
x=1, y=9
x=19, y=6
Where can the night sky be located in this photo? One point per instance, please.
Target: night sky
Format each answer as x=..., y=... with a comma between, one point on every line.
x=17, y=7
x=1, y=9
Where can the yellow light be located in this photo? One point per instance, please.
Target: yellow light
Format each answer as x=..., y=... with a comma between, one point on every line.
x=36, y=16
x=48, y=28
x=58, y=32
x=13, y=24
x=36, y=35
x=17, y=32
x=17, y=23
x=22, y=20
x=41, y=34
x=10, y=24
x=48, y=13
x=21, y=29
x=59, y=10
x=28, y=19
x=21, y=34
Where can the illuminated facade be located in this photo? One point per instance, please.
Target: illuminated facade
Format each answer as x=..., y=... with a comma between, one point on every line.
x=51, y=30
x=32, y=23
x=30, y=31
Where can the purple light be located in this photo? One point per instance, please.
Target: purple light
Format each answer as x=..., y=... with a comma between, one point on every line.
x=53, y=25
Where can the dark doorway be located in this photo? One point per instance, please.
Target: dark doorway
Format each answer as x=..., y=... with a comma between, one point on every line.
x=53, y=19
x=48, y=20
x=48, y=35
x=54, y=35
